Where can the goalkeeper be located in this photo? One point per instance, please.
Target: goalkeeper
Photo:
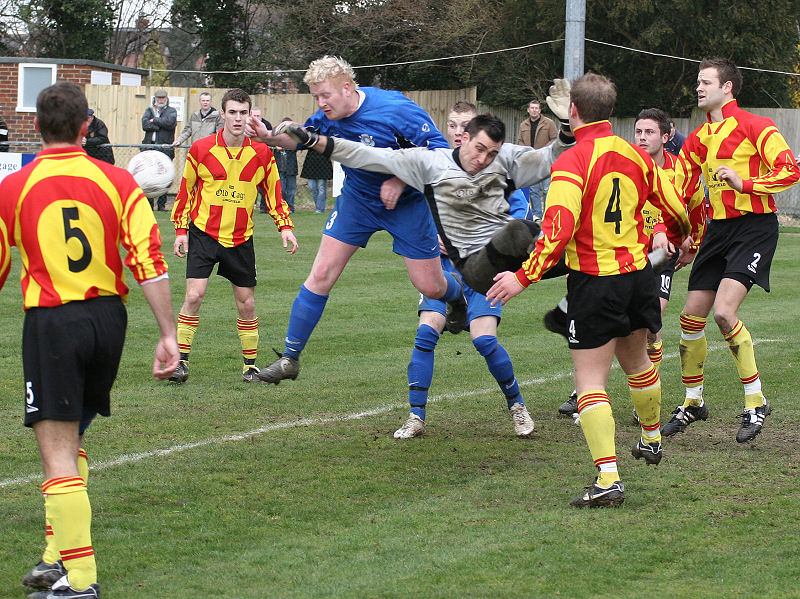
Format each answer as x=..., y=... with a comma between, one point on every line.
x=467, y=188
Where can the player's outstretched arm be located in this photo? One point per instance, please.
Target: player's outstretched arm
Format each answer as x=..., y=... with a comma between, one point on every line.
x=156, y=292
x=558, y=101
x=256, y=129
x=306, y=138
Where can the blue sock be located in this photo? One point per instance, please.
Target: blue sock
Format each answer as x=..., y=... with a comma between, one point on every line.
x=306, y=312
x=420, y=369
x=499, y=363
x=454, y=291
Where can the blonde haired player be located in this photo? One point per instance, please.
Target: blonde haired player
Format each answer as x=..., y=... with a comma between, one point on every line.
x=384, y=119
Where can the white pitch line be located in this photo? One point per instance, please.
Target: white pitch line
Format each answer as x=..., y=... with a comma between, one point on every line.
x=129, y=458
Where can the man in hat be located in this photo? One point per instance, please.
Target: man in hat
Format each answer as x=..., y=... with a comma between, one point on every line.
x=159, y=122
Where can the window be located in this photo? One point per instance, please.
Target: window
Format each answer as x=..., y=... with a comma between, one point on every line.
x=33, y=78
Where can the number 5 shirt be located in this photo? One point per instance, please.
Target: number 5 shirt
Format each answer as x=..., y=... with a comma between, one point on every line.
x=68, y=214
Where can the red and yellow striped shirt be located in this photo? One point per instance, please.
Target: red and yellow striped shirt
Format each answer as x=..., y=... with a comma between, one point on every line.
x=653, y=221
x=594, y=207
x=753, y=147
x=68, y=214
x=220, y=186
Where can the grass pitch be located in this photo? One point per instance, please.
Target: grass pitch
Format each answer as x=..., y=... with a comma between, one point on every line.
x=219, y=488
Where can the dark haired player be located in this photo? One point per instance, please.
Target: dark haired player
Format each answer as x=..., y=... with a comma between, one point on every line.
x=67, y=213
x=213, y=216
x=744, y=160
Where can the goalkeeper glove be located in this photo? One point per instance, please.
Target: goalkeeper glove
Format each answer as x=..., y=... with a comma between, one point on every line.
x=305, y=137
x=558, y=102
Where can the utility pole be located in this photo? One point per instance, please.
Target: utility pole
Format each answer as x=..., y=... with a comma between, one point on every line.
x=574, y=39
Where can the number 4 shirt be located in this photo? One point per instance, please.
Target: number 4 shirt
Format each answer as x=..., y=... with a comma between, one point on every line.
x=594, y=207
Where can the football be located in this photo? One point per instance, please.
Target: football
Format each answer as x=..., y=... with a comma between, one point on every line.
x=153, y=171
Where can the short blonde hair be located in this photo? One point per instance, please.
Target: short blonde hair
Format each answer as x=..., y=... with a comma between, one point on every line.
x=330, y=67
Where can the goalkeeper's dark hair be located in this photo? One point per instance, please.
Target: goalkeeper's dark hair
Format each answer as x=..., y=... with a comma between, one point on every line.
x=657, y=115
x=494, y=128
x=726, y=70
x=237, y=95
x=61, y=109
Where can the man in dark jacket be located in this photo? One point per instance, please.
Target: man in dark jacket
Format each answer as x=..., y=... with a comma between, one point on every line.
x=159, y=122
x=96, y=140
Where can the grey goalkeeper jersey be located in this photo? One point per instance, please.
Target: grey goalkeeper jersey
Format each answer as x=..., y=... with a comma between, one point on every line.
x=468, y=209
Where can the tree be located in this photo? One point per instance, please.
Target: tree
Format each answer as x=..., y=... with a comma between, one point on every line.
x=225, y=29
x=66, y=29
x=751, y=34
x=153, y=58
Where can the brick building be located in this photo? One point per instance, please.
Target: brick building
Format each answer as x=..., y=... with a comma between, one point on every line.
x=21, y=80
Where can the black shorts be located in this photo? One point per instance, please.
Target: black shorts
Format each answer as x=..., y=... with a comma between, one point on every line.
x=237, y=264
x=664, y=278
x=738, y=248
x=603, y=308
x=70, y=358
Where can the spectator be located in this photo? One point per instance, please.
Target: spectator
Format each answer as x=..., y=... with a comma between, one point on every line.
x=256, y=112
x=676, y=139
x=96, y=142
x=537, y=131
x=159, y=122
x=202, y=123
x=318, y=170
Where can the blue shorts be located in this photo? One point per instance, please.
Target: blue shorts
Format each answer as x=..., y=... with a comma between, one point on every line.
x=477, y=304
x=410, y=224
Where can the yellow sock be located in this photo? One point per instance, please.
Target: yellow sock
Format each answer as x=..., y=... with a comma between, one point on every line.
x=248, y=336
x=694, y=349
x=187, y=327
x=83, y=465
x=645, y=388
x=50, y=555
x=741, y=345
x=655, y=353
x=598, y=427
x=67, y=506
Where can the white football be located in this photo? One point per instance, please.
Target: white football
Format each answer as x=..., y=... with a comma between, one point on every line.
x=153, y=171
